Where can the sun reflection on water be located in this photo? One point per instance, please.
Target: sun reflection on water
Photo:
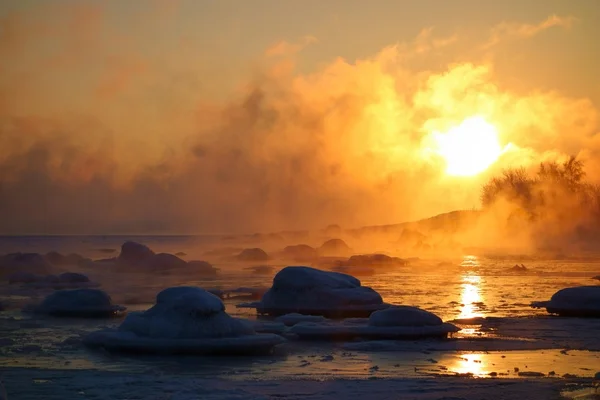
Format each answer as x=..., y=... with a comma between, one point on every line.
x=471, y=298
x=469, y=364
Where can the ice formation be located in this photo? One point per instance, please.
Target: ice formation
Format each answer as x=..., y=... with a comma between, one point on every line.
x=66, y=280
x=85, y=303
x=311, y=291
x=135, y=254
x=59, y=259
x=164, y=262
x=334, y=247
x=255, y=254
x=300, y=253
x=579, y=301
x=185, y=320
x=24, y=262
x=201, y=267
x=395, y=322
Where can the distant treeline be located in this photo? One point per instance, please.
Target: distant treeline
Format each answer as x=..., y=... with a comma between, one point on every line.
x=556, y=197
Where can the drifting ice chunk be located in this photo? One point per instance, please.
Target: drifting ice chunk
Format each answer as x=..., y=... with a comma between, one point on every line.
x=310, y=291
x=85, y=303
x=185, y=320
x=579, y=301
x=396, y=322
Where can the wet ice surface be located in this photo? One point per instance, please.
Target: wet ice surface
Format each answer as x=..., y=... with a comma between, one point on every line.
x=507, y=339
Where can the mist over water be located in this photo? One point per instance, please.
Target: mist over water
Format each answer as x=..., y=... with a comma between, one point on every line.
x=347, y=142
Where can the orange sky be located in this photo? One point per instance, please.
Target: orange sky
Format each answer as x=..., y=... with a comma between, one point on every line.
x=196, y=116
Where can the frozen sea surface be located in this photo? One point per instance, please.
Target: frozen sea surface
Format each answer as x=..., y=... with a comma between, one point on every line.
x=506, y=349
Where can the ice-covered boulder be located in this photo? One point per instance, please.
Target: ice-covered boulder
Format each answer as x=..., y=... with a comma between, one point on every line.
x=135, y=254
x=311, y=291
x=73, y=277
x=300, y=253
x=201, y=268
x=185, y=320
x=255, y=254
x=24, y=262
x=84, y=303
x=396, y=322
x=66, y=280
x=579, y=301
x=334, y=247
x=165, y=262
x=58, y=259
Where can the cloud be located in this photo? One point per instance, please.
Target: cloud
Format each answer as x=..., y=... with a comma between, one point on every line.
x=285, y=48
x=507, y=30
x=343, y=143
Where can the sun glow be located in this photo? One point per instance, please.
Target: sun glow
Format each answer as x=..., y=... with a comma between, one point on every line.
x=469, y=148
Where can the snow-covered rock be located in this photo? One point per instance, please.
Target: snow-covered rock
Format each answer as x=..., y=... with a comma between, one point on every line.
x=396, y=322
x=135, y=254
x=311, y=291
x=84, y=303
x=579, y=301
x=300, y=253
x=24, y=262
x=185, y=320
x=254, y=254
x=165, y=262
x=73, y=277
x=201, y=267
x=58, y=259
x=334, y=247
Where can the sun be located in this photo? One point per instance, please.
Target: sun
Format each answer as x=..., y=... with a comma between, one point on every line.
x=469, y=148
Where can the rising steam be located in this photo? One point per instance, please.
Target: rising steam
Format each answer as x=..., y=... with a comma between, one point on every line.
x=136, y=147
